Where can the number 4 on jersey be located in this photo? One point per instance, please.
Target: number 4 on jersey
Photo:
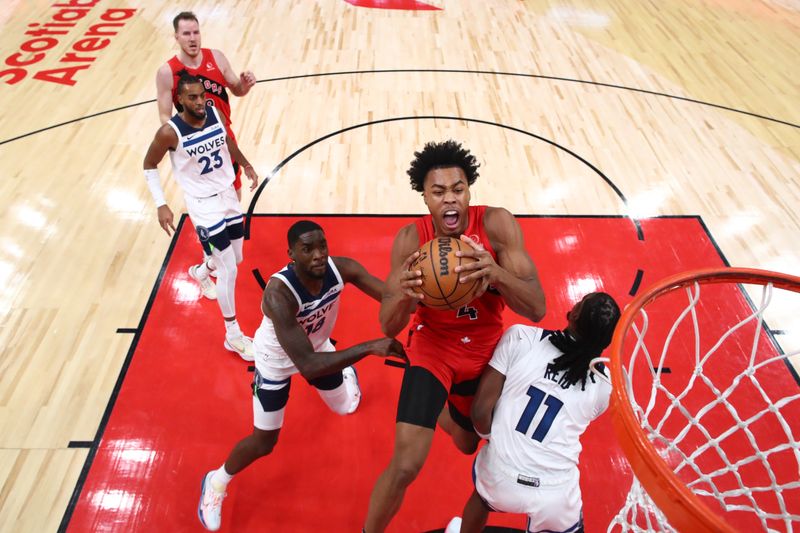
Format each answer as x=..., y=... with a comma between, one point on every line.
x=466, y=310
x=553, y=404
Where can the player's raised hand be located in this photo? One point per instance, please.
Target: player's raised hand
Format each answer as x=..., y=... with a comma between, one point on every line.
x=401, y=282
x=250, y=172
x=484, y=266
x=166, y=218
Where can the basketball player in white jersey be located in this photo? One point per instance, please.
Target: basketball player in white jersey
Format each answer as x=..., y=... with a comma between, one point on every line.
x=537, y=396
x=300, y=306
x=200, y=150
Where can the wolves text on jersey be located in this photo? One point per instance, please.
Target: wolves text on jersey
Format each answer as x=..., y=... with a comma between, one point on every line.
x=206, y=146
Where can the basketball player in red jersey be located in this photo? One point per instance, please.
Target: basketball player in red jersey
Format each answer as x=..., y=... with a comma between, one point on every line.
x=448, y=350
x=211, y=66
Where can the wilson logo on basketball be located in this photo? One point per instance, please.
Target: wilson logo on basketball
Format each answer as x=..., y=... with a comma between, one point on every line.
x=441, y=287
x=444, y=249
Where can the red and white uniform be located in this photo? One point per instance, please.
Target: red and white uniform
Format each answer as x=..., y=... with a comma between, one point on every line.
x=215, y=85
x=455, y=346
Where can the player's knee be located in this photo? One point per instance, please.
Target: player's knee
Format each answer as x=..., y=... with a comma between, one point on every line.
x=466, y=445
x=404, y=472
x=225, y=261
x=265, y=442
x=265, y=448
x=466, y=442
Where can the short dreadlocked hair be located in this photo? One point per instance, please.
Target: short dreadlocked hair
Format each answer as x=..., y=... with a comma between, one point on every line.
x=187, y=79
x=441, y=155
x=594, y=329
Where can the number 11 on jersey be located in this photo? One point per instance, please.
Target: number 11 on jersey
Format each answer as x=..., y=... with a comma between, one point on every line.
x=538, y=396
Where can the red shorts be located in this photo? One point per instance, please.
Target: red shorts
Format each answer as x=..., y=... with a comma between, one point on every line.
x=456, y=362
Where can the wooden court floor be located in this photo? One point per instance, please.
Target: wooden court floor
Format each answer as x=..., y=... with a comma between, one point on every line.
x=589, y=107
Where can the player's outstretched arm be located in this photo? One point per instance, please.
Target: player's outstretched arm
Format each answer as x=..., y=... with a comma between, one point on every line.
x=239, y=85
x=164, y=93
x=399, y=299
x=280, y=305
x=354, y=272
x=489, y=389
x=514, y=274
x=164, y=139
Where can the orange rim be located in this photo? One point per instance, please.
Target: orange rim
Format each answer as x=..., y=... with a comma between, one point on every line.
x=684, y=510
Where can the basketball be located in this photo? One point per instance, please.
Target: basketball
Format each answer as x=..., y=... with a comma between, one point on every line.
x=440, y=283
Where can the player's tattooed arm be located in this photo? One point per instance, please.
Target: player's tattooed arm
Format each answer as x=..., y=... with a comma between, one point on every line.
x=280, y=305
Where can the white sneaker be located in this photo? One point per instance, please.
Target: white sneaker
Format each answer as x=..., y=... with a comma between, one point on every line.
x=241, y=345
x=351, y=382
x=207, y=286
x=209, y=510
x=454, y=526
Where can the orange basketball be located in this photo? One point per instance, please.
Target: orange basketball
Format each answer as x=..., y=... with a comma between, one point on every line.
x=437, y=260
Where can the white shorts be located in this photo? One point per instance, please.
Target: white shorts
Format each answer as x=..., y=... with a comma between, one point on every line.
x=553, y=506
x=273, y=379
x=215, y=213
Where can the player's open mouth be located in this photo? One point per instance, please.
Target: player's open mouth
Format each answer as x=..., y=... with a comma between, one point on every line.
x=450, y=219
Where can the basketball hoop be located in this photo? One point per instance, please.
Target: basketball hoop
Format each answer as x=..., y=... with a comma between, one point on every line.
x=705, y=405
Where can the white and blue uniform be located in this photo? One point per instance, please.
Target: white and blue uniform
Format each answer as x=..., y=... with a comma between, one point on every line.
x=530, y=464
x=316, y=314
x=274, y=369
x=201, y=164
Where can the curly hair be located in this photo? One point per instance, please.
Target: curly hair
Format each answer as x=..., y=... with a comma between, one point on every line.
x=595, y=327
x=444, y=154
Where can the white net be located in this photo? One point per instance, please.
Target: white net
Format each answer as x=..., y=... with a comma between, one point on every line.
x=718, y=399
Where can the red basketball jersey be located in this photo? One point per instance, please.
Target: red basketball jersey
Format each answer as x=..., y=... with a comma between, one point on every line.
x=212, y=78
x=478, y=324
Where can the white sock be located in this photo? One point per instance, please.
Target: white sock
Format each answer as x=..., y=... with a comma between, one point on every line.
x=220, y=479
x=232, y=328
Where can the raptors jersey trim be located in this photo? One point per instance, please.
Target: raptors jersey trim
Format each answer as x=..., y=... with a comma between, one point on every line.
x=201, y=163
x=316, y=314
x=212, y=78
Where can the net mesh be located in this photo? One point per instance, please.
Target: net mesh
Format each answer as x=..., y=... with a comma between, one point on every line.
x=727, y=423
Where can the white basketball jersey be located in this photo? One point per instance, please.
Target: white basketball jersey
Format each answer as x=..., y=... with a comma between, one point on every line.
x=538, y=419
x=316, y=314
x=202, y=162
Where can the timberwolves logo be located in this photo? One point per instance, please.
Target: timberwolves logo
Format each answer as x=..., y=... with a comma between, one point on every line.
x=202, y=232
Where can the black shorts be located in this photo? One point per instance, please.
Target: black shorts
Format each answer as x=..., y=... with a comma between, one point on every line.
x=422, y=398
